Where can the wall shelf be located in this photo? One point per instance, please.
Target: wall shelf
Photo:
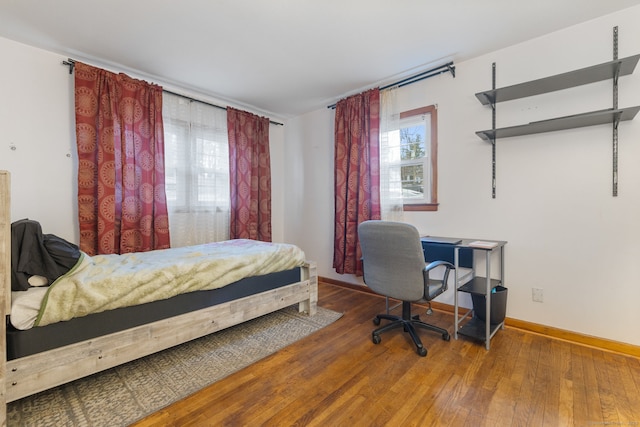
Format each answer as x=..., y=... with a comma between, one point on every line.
x=592, y=118
x=592, y=74
x=583, y=76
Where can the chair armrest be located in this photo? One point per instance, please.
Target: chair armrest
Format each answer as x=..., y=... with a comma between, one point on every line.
x=439, y=263
x=433, y=289
x=435, y=264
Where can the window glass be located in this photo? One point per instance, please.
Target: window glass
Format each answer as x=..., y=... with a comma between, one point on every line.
x=414, y=153
x=418, y=158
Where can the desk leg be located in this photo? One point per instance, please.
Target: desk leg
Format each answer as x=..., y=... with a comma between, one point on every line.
x=487, y=300
x=455, y=293
x=502, y=282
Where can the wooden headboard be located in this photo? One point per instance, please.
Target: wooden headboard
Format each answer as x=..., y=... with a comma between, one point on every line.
x=5, y=240
x=5, y=281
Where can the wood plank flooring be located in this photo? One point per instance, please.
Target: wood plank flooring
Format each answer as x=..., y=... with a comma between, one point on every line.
x=338, y=377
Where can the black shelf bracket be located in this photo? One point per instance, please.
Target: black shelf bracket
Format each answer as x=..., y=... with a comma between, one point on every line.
x=493, y=139
x=616, y=120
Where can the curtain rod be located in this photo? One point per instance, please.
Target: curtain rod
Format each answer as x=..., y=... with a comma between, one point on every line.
x=72, y=63
x=444, y=68
x=212, y=105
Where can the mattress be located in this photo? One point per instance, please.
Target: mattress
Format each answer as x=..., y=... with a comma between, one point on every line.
x=106, y=282
x=21, y=343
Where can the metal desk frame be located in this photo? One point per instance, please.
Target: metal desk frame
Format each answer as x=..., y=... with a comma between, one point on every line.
x=478, y=285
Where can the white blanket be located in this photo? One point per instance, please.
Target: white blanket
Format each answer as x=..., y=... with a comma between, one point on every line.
x=106, y=282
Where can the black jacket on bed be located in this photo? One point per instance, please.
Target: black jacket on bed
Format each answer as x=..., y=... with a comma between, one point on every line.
x=37, y=254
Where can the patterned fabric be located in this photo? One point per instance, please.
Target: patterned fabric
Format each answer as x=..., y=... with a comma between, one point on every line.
x=250, y=175
x=121, y=195
x=357, y=175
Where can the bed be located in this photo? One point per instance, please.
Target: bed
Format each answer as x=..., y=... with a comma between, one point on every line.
x=42, y=357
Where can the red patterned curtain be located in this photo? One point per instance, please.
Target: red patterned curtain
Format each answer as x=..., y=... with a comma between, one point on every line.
x=357, y=175
x=250, y=175
x=121, y=195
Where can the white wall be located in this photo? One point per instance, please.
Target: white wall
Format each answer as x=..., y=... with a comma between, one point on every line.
x=566, y=233
x=554, y=205
x=37, y=143
x=36, y=120
x=309, y=207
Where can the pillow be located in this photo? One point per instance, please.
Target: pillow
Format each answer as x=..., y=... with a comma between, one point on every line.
x=36, y=280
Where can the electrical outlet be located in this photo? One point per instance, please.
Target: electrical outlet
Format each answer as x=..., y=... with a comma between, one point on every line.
x=536, y=294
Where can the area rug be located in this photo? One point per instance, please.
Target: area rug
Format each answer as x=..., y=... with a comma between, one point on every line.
x=127, y=393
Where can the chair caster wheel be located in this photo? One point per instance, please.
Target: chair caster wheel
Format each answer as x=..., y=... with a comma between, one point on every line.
x=376, y=321
x=375, y=338
x=446, y=337
x=422, y=352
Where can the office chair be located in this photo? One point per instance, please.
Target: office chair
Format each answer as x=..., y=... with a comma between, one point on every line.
x=394, y=266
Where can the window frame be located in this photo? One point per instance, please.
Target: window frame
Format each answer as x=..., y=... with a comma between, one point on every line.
x=432, y=205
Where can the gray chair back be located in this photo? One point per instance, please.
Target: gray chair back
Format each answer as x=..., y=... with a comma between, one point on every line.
x=393, y=259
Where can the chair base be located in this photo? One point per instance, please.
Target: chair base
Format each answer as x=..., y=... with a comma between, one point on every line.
x=409, y=324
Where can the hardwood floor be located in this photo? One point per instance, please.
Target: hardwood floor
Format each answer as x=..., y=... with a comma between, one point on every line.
x=338, y=377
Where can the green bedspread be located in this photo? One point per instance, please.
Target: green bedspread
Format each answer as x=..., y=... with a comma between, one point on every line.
x=105, y=282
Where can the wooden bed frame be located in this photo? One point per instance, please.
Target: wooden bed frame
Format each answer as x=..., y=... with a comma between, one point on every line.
x=31, y=374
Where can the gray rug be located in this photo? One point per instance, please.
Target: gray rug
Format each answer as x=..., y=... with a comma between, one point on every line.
x=127, y=393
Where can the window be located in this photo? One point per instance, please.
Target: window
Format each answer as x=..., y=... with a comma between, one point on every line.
x=196, y=171
x=417, y=164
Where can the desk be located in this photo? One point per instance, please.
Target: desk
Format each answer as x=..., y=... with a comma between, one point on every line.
x=466, y=280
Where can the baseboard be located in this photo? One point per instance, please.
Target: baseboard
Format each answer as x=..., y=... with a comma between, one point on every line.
x=561, y=334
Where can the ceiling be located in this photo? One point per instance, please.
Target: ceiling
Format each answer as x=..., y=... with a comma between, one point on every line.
x=284, y=57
